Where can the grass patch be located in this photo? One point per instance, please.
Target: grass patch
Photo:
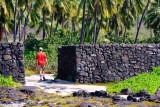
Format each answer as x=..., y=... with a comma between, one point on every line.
x=143, y=34
x=149, y=81
x=8, y=81
x=30, y=72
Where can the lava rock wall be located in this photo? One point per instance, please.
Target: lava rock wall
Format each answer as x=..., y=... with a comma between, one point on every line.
x=12, y=61
x=106, y=63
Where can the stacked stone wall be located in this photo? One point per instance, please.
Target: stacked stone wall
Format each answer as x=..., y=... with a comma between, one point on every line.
x=12, y=61
x=106, y=63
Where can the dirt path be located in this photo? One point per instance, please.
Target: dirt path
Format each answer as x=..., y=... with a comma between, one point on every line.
x=58, y=86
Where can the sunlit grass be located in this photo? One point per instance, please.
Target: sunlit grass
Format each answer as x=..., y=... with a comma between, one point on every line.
x=30, y=72
x=8, y=81
x=149, y=81
x=143, y=34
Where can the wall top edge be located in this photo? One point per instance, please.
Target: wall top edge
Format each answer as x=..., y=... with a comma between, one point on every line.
x=104, y=45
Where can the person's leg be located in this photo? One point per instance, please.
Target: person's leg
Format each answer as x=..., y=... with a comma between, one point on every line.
x=43, y=73
x=40, y=72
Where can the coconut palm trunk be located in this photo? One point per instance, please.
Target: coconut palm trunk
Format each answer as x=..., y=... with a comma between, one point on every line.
x=83, y=20
x=73, y=25
x=117, y=35
x=125, y=34
x=19, y=19
x=98, y=28
x=1, y=32
x=44, y=33
x=24, y=28
x=52, y=17
x=19, y=31
x=95, y=21
x=15, y=13
x=56, y=27
x=151, y=35
x=139, y=26
x=95, y=28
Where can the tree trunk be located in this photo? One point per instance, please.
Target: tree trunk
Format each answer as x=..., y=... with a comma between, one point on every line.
x=19, y=31
x=125, y=34
x=56, y=27
x=20, y=18
x=151, y=35
x=6, y=34
x=137, y=21
x=25, y=25
x=15, y=13
x=95, y=27
x=73, y=25
x=83, y=20
x=44, y=34
x=98, y=29
x=116, y=33
x=52, y=17
x=24, y=33
x=157, y=35
x=138, y=29
x=1, y=32
x=95, y=21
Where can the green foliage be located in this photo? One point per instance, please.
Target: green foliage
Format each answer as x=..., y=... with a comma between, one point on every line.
x=7, y=81
x=149, y=81
x=31, y=43
x=29, y=57
x=29, y=72
x=50, y=46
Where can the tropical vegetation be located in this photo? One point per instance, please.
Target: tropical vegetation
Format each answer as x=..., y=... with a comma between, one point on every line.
x=92, y=18
x=8, y=81
x=52, y=23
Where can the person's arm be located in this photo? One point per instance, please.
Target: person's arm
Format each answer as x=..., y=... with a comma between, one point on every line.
x=46, y=62
x=36, y=60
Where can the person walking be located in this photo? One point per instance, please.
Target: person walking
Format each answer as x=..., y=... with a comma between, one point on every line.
x=41, y=61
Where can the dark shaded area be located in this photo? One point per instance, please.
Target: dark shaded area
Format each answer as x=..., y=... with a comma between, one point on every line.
x=67, y=63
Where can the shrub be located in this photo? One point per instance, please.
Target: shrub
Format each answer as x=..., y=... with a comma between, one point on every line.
x=50, y=46
x=7, y=81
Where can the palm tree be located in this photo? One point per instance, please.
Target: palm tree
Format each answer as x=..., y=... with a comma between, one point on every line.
x=152, y=19
x=128, y=14
x=95, y=16
x=6, y=10
x=82, y=30
x=15, y=14
x=61, y=11
x=3, y=13
x=139, y=26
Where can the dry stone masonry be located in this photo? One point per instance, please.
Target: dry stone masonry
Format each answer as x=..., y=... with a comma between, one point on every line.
x=106, y=63
x=12, y=61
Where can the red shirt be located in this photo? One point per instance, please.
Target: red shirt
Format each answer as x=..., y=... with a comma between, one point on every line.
x=41, y=58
